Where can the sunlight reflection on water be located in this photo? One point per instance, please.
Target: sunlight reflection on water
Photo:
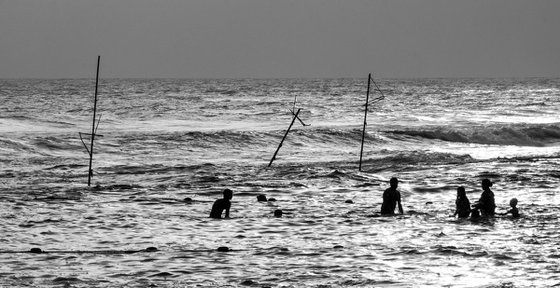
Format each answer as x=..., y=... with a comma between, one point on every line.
x=166, y=140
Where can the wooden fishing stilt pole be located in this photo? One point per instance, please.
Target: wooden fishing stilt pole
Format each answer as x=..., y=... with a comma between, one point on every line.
x=293, y=110
x=287, y=131
x=365, y=121
x=90, y=171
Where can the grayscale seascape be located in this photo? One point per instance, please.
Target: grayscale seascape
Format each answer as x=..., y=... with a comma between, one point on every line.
x=338, y=112
x=166, y=139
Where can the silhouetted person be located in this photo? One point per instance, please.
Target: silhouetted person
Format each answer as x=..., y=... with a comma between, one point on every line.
x=462, y=204
x=261, y=198
x=278, y=213
x=486, y=203
x=513, y=211
x=222, y=204
x=391, y=197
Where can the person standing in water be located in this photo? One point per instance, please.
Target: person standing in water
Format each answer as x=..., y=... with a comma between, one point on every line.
x=486, y=203
x=462, y=204
x=222, y=204
x=391, y=197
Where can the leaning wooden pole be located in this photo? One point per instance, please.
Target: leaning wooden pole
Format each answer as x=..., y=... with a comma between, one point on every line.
x=283, y=138
x=365, y=121
x=90, y=171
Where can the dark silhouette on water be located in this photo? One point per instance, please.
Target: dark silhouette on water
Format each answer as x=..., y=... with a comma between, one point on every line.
x=93, y=127
x=36, y=250
x=284, y=138
x=222, y=204
x=462, y=204
x=370, y=80
x=391, y=197
x=261, y=198
x=513, y=211
x=486, y=203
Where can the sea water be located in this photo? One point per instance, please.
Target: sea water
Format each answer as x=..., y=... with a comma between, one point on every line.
x=161, y=141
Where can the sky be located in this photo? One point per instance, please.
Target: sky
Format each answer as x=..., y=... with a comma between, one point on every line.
x=279, y=38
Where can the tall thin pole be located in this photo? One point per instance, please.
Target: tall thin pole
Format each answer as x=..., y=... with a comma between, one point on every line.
x=90, y=171
x=287, y=131
x=365, y=121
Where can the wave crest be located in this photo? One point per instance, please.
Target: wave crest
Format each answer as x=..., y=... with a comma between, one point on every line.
x=519, y=135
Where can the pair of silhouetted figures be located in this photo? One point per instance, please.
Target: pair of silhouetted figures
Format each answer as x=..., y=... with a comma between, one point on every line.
x=224, y=204
x=391, y=198
x=485, y=206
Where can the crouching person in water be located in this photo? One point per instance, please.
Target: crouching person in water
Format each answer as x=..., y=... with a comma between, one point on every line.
x=222, y=204
x=462, y=204
x=391, y=197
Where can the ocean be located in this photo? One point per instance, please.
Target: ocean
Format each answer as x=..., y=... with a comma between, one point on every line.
x=162, y=141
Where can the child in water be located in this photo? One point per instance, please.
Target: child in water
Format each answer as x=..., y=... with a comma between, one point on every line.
x=513, y=211
x=462, y=204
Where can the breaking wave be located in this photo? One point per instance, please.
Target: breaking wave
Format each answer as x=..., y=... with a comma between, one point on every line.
x=519, y=135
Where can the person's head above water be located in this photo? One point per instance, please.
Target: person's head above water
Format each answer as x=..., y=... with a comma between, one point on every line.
x=461, y=192
x=513, y=202
x=486, y=183
x=394, y=182
x=228, y=194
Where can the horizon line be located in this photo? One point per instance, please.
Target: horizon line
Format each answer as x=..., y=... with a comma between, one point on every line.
x=279, y=78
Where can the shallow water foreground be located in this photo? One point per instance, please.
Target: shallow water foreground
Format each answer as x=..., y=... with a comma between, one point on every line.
x=98, y=237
